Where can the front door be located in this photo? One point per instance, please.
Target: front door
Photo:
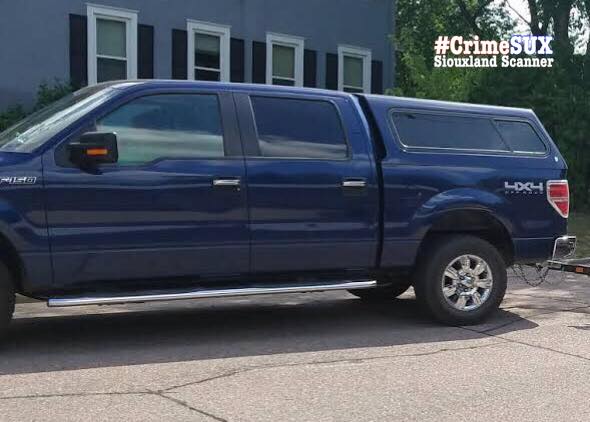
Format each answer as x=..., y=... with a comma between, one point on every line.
x=172, y=207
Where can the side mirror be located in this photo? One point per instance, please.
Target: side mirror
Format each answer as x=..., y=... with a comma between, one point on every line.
x=94, y=148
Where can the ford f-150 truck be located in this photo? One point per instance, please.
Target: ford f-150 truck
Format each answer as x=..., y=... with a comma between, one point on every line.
x=142, y=191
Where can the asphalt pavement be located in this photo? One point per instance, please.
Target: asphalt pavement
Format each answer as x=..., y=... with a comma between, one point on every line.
x=302, y=357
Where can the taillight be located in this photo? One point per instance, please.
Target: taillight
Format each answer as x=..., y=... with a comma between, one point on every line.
x=558, y=195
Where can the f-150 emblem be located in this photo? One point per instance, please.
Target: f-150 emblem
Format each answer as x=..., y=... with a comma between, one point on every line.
x=528, y=188
x=18, y=180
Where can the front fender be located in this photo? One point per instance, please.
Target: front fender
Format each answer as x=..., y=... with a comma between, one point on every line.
x=23, y=223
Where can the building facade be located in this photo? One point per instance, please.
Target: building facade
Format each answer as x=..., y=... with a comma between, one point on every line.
x=334, y=44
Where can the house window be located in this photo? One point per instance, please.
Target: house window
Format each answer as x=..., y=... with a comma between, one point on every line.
x=284, y=60
x=112, y=44
x=354, y=69
x=208, y=51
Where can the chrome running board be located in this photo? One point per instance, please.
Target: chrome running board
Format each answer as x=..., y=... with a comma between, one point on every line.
x=205, y=293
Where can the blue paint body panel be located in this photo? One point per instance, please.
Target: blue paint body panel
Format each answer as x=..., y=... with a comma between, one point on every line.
x=420, y=187
x=165, y=220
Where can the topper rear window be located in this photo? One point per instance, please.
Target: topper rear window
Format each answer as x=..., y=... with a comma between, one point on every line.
x=521, y=136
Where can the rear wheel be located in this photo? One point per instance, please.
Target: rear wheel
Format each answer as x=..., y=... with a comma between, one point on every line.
x=460, y=280
x=380, y=294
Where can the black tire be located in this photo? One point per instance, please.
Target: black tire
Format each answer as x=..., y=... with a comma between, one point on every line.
x=7, y=298
x=432, y=265
x=381, y=294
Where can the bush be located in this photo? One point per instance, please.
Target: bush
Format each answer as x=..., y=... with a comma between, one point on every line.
x=46, y=94
x=11, y=116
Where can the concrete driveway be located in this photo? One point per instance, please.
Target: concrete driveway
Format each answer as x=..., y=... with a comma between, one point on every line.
x=306, y=357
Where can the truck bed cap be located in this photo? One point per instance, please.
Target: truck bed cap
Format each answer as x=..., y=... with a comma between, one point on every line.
x=405, y=102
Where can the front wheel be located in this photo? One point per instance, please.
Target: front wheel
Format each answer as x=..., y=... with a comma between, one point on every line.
x=461, y=280
x=7, y=298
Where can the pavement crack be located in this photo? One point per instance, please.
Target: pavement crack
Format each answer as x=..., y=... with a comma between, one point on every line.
x=98, y=393
x=188, y=406
x=518, y=319
x=524, y=343
x=557, y=299
x=226, y=374
x=115, y=393
x=242, y=370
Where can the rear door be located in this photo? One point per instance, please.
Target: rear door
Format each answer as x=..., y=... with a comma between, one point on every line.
x=312, y=190
x=172, y=207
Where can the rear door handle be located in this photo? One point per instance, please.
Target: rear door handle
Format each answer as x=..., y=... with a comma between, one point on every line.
x=227, y=182
x=354, y=183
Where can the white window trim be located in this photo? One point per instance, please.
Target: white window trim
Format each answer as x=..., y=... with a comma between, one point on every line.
x=288, y=41
x=221, y=31
x=129, y=17
x=358, y=52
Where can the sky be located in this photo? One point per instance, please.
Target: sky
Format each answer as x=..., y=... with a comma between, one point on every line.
x=519, y=9
x=522, y=8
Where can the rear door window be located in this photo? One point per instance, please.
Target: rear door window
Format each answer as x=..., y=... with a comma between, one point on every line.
x=521, y=136
x=438, y=131
x=294, y=128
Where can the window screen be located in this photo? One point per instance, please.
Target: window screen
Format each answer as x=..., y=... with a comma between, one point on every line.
x=207, y=57
x=283, y=65
x=111, y=50
x=521, y=136
x=447, y=131
x=298, y=128
x=352, y=70
x=166, y=126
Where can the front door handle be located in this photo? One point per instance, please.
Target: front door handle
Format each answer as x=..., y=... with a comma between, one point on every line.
x=227, y=182
x=354, y=183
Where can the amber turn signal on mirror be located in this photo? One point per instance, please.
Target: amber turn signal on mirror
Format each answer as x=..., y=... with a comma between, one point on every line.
x=97, y=151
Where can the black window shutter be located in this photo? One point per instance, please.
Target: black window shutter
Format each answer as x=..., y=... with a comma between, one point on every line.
x=258, y=62
x=78, y=51
x=309, y=68
x=179, y=54
x=236, y=60
x=145, y=51
x=377, y=77
x=331, y=71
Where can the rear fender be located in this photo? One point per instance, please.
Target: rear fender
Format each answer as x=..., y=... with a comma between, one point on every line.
x=463, y=200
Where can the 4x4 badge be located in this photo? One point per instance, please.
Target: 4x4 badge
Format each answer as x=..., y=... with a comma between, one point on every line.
x=524, y=187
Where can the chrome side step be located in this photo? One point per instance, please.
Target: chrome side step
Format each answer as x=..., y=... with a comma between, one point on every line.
x=206, y=293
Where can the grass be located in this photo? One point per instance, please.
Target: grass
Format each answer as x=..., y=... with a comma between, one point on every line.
x=579, y=225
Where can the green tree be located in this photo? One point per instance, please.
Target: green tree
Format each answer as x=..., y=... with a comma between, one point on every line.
x=559, y=95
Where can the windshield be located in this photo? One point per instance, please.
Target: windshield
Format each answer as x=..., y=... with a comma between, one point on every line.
x=40, y=126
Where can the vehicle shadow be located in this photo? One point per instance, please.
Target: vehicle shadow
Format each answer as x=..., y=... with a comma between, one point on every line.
x=197, y=331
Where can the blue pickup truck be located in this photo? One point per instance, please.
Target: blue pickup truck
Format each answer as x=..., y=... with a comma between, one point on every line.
x=146, y=191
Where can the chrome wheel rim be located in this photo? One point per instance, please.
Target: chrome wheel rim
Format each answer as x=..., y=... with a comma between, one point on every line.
x=467, y=282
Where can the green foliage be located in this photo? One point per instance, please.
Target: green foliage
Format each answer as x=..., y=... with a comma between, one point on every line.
x=11, y=116
x=579, y=223
x=46, y=94
x=560, y=96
